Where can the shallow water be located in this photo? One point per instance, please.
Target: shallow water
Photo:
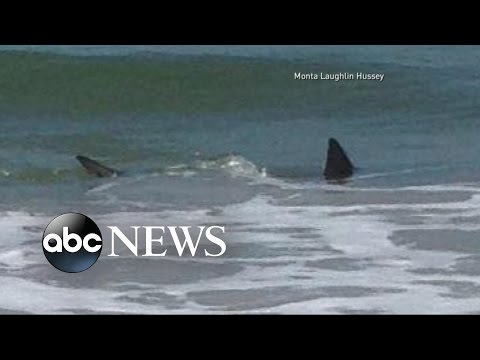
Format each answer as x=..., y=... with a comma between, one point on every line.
x=225, y=136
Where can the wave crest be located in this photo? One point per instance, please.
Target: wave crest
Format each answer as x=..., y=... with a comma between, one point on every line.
x=234, y=165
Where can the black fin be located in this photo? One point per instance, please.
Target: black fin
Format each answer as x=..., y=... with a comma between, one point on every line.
x=338, y=165
x=95, y=168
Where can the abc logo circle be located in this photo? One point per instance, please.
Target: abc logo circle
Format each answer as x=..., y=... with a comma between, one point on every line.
x=72, y=242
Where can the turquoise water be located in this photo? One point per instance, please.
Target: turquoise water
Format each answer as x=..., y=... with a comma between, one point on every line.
x=150, y=107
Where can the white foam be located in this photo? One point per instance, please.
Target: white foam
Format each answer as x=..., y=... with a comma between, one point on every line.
x=15, y=259
x=23, y=295
x=361, y=237
x=102, y=187
x=15, y=227
x=235, y=165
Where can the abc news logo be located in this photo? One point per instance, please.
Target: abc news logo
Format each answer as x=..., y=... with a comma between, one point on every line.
x=73, y=242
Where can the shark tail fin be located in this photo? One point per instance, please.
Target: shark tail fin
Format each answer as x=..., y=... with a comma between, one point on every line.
x=95, y=168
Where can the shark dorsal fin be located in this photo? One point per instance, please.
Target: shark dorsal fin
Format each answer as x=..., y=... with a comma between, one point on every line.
x=338, y=165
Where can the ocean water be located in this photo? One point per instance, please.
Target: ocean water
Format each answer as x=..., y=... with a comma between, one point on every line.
x=224, y=135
